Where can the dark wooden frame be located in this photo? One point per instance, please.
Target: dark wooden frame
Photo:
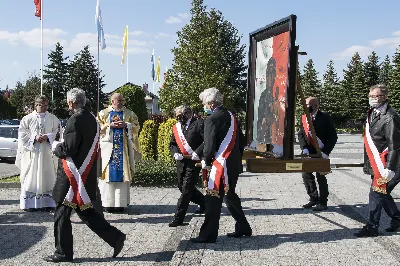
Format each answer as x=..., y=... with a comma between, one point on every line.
x=287, y=24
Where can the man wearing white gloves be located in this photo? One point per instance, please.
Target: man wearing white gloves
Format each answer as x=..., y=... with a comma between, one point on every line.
x=381, y=160
x=326, y=138
x=187, y=139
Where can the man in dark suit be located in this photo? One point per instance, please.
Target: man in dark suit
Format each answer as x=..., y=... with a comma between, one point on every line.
x=77, y=163
x=223, y=150
x=187, y=139
x=381, y=160
x=327, y=138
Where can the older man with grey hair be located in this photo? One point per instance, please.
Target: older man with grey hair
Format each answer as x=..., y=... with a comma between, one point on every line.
x=222, y=157
x=187, y=139
x=76, y=183
x=381, y=160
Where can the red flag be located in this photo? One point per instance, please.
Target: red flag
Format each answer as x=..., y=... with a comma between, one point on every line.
x=38, y=11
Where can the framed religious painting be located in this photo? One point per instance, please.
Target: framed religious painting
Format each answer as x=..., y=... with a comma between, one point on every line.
x=271, y=88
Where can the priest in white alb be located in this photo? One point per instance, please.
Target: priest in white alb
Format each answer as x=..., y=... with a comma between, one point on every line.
x=119, y=150
x=35, y=159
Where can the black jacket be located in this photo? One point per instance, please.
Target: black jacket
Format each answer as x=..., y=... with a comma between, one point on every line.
x=194, y=135
x=79, y=135
x=216, y=127
x=325, y=131
x=385, y=132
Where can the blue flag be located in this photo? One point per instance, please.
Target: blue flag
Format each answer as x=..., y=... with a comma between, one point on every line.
x=99, y=25
x=153, y=72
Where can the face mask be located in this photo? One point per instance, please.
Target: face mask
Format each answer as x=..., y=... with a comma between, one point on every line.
x=310, y=109
x=373, y=102
x=207, y=110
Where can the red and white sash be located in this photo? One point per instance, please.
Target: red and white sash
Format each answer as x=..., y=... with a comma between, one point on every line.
x=307, y=130
x=377, y=160
x=77, y=195
x=219, y=169
x=181, y=140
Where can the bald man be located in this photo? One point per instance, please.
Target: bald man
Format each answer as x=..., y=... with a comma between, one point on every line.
x=326, y=137
x=119, y=128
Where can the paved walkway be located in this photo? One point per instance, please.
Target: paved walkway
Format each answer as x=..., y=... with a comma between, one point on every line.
x=284, y=233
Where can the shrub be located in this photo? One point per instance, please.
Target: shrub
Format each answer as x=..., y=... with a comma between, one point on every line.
x=154, y=173
x=158, y=119
x=148, y=140
x=164, y=138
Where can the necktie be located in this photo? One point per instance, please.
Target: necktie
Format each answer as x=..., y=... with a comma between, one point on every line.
x=373, y=115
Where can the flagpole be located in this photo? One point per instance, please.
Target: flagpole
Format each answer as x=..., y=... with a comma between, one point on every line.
x=98, y=74
x=41, y=47
x=127, y=56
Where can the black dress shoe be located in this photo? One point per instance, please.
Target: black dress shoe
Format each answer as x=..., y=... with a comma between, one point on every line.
x=201, y=240
x=119, y=245
x=367, y=231
x=310, y=204
x=320, y=207
x=175, y=223
x=238, y=234
x=394, y=226
x=57, y=259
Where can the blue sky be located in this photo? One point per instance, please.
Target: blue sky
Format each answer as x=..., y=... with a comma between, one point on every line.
x=325, y=30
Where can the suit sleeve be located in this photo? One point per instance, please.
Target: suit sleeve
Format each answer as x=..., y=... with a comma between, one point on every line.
x=392, y=135
x=210, y=141
x=331, y=136
x=302, y=137
x=242, y=139
x=173, y=146
x=199, y=150
x=72, y=140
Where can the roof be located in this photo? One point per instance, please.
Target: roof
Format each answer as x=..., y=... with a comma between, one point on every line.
x=151, y=95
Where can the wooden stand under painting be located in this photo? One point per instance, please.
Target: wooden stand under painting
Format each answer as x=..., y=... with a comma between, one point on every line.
x=272, y=88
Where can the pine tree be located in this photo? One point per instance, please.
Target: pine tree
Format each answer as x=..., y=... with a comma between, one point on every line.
x=371, y=68
x=17, y=98
x=384, y=73
x=354, y=88
x=394, y=81
x=56, y=75
x=332, y=98
x=208, y=54
x=82, y=74
x=310, y=83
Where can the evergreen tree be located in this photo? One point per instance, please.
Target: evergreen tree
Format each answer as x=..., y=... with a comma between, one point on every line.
x=371, y=68
x=82, y=74
x=209, y=54
x=299, y=106
x=332, y=98
x=384, y=73
x=310, y=83
x=56, y=75
x=354, y=88
x=17, y=98
x=394, y=81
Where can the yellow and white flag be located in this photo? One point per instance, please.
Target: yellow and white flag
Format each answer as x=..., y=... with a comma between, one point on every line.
x=124, y=45
x=158, y=70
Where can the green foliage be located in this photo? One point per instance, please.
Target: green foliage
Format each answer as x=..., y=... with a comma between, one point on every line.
x=384, y=72
x=164, y=138
x=209, y=54
x=371, y=70
x=148, y=140
x=17, y=98
x=310, y=83
x=394, y=81
x=7, y=111
x=154, y=173
x=134, y=100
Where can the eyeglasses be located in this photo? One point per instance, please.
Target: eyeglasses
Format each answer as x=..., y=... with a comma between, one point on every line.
x=376, y=96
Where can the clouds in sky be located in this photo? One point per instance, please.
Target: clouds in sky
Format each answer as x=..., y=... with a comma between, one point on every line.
x=78, y=41
x=177, y=19
x=364, y=50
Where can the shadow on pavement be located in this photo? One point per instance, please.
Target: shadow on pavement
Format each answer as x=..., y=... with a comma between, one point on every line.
x=162, y=256
x=9, y=202
x=26, y=217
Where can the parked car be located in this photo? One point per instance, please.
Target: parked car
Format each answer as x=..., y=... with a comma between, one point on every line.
x=8, y=141
x=9, y=122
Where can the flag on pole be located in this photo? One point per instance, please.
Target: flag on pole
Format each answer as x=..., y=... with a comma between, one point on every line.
x=153, y=74
x=124, y=45
x=38, y=10
x=158, y=70
x=99, y=25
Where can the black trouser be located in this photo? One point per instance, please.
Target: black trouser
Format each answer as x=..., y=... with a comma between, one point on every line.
x=63, y=229
x=311, y=187
x=189, y=193
x=209, y=229
x=379, y=201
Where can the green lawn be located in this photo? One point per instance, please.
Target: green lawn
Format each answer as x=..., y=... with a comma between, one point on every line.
x=10, y=179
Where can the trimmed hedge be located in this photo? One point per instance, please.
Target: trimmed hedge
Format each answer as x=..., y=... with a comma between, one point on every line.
x=154, y=173
x=164, y=138
x=148, y=140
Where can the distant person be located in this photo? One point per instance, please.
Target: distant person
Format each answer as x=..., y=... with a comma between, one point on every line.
x=381, y=160
x=326, y=138
x=38, y=165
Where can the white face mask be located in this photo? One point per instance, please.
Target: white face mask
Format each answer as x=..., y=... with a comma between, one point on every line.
x=373, y=102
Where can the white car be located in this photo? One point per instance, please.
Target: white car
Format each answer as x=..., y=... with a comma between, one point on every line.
x=8, y=141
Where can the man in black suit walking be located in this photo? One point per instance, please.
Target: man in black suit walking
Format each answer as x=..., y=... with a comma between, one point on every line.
x=327, y=138
x=187, y=139
x=223, y=149
x=381, y=160
x=77, y=165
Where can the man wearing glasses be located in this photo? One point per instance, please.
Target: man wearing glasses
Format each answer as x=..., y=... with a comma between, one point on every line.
x=381, y=160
